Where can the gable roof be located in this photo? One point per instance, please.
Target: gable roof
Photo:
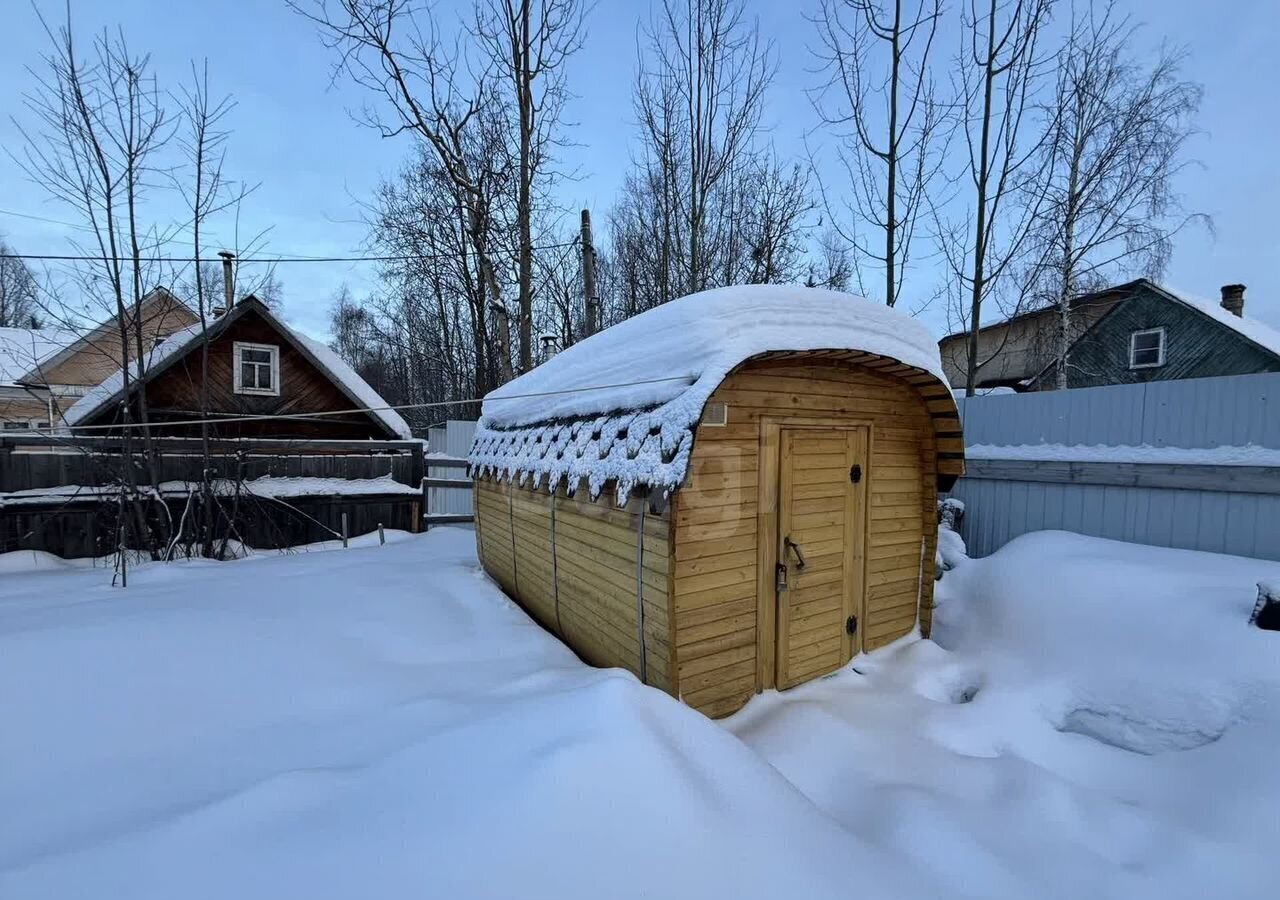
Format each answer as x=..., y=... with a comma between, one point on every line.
x=79, y=341
x=25, y=349
x=622, y=405
x=1077, y=300
x=1257, y=333
x=180, y=343
x=1252, y=330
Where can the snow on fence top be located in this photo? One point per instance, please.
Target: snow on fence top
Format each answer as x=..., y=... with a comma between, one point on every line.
x=622, y=404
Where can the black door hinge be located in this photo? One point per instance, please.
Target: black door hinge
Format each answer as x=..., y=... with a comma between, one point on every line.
x=851, y=625
x=855, y=473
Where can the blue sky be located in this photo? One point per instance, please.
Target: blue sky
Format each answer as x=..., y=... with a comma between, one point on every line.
x=294, y=136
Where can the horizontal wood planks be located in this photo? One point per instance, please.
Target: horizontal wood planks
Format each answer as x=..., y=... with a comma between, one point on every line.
x=574, y=565
x=724, y=605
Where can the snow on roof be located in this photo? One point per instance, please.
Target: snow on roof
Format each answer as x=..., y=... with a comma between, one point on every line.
x=1260, y=333
x=337, y=369
x=179, y=342
x=622, y=404
x=23, y=349
x=100, y=394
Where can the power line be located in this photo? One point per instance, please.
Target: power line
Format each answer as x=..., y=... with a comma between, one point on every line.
x=10, y=212
x=273, y=260
x=368, y=409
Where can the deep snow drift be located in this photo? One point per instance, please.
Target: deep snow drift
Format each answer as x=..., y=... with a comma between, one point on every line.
x=381, y=722
x=1102, y=723
x=369, y=723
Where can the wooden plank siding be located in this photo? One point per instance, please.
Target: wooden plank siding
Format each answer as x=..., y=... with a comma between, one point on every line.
x=174, y=395
x=571, y=563
x=724, y=598
x=710, y=614
x=1196, y=345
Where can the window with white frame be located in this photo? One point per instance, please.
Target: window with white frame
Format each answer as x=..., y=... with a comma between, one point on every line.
x=1146, y=349
x=257, y=369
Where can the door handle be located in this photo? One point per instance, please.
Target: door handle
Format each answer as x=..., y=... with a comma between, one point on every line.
x=794, y=548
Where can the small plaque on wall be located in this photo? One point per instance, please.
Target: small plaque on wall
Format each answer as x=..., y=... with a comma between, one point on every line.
x=715, y=414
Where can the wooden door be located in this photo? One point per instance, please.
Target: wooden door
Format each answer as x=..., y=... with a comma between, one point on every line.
x=822, y=477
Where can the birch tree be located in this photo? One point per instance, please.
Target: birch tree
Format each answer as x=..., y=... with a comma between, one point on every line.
x=1001, y=69
x=1118, y=128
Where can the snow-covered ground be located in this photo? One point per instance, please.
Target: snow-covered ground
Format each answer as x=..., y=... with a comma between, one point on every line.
x=1095, y=720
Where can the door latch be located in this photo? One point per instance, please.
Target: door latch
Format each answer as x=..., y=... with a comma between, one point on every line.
x=794, y=548
x=855, y=473
x=780, y=578
x=851, y=625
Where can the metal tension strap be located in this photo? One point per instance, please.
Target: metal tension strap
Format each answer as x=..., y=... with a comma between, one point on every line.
x=644, y=504
x=555, y=578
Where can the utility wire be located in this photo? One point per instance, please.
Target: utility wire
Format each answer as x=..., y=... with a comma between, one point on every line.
x=283, y=258
x=367, y=409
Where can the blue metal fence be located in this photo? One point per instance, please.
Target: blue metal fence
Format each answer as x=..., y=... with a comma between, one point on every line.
x=1004, y=501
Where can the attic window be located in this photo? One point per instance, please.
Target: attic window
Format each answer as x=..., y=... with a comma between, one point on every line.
x=257, y=369
x=1146, y=349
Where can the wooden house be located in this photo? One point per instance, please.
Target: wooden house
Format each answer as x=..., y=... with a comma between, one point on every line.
x=1133, y=332
x=300, y=446
x=257, y=367
x=45, y=371
x=1152, y=333
x=732, y=492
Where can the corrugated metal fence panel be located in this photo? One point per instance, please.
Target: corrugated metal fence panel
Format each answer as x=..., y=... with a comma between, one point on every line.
x=454, y=439
x=1196, y=413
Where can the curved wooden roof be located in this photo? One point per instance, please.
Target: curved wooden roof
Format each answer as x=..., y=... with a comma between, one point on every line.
x=939, y=400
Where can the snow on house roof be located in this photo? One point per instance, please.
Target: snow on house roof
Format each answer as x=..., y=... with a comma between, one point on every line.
x=337, y=369
x=622, y=404
x=1260, y=333
x=24, y=349
x=177, y=344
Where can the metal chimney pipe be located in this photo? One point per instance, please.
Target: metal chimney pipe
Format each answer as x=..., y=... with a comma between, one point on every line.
x=228, y=280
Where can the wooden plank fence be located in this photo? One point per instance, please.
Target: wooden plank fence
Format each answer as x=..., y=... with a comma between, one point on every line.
x=80, y=523
x=433, y=484
x=1196, y=506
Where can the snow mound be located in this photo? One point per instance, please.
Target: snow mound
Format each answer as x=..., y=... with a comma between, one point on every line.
x=1094, y=720
x=21, y=561
x=377, y=723
x=621, y=404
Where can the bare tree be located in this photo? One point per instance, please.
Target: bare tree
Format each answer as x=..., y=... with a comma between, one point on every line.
x=1001, y=69
x=102, y=129
x=390, y=48
x=19, y=293
x=529, y=43
x=832, y=269
x=775, y=203
x=1117, y=131
x=699, y=98
x=881, y=101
